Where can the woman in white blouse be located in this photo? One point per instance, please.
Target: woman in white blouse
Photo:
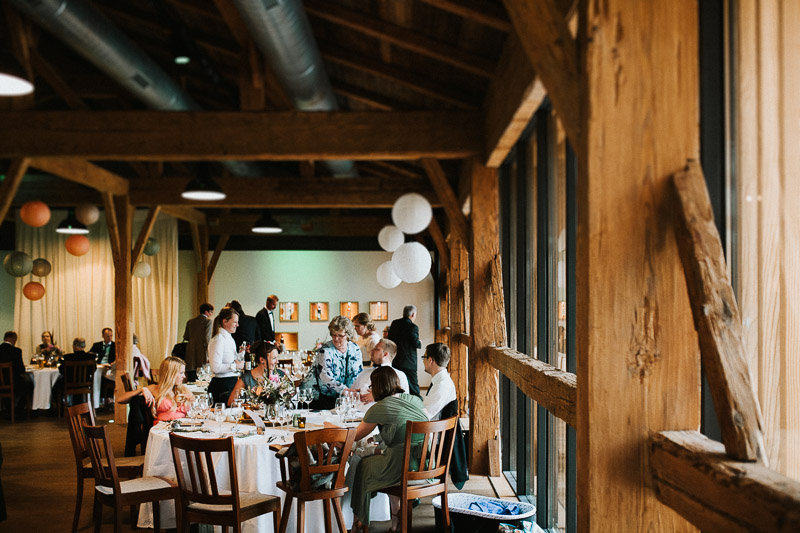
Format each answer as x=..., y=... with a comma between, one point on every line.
x=222, y=355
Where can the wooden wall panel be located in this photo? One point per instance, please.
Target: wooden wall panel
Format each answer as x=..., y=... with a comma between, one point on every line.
x=638, y=366
x=768, y=258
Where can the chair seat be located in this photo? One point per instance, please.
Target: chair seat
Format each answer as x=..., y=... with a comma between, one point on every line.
x=127, y=467
x=246, y=501
x=318, y=494
x=138, y=485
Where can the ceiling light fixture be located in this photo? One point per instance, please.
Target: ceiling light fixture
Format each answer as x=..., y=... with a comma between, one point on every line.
x=71, y=225
x=266, y=224
x=13, y=80
x=203, y=187
x=181, y=51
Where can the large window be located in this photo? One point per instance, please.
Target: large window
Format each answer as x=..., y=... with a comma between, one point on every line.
x=537, y=242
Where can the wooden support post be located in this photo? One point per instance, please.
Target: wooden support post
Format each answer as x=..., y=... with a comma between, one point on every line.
x=487, y=316
x=200, y=241
x=123, y=294
x=144, y=234
x=638, y=366
x=459, y=351
x=212, y=263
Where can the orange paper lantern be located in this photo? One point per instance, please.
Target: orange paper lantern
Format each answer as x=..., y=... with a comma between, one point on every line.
x=35, y=214
x=33, y=290
x=77, y=245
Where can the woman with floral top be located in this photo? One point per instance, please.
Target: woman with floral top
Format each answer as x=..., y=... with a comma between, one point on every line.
x=336, y=365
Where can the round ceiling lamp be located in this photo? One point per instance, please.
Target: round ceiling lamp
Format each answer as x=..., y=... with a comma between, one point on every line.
x=35, y=214
x=390, y=238
x=71, y=225
x=33, y=290
x=203, y=187
x=142, y=270
x=151, y=247
x=412, y=213
x=77, y=245
x=386, y=276
x=411, y=262
x=41, y=267
x=13, y=79
x=87, y=214
x=18, y=264
x=266, y=224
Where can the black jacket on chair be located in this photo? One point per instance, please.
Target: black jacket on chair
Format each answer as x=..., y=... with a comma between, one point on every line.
x=140, y=422
x=458, y=461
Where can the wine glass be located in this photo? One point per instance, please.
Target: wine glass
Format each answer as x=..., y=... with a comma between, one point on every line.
x=341, y=401
x=201, y=407
x=219, y=415
x=307, y=399
x=236, y=411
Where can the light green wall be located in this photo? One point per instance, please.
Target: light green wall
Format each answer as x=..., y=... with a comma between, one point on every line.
x=306, y=276
x=7, y=289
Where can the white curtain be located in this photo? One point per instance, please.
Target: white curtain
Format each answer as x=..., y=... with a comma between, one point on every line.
x=79, y=297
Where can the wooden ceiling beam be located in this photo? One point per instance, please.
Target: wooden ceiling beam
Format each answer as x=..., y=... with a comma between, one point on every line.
x=144, y=234
x=295, y=193
x=458, y=222
x=368, y=98
x=281, y=136
x=486, y=13
x=413, y=81
x=10, y=185
x=400, y=37
x=305, y=224
x=193, y=216
x=513, y=97
x=83, y=172
x=553, y=52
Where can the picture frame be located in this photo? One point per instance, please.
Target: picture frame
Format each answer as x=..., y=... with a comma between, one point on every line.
x=289, y=338
x=379, y=311
x=348, y=309
x=318, y=311
x=289, y=311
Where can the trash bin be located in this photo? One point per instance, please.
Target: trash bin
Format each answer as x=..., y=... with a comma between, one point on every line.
x=464, y=518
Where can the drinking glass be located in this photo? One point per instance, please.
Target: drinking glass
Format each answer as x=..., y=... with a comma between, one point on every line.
x=307, y=399
x=236, y=412
x=341, y=402
x=219, y=415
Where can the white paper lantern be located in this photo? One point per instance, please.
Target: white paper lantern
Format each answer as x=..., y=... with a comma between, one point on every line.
x=411, y=262
x=88, y=214
x=390, y=238
x=141, y=270
x=412, y=213
x=386, y=276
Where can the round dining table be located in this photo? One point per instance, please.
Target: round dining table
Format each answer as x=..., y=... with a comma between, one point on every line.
x=43, y=381
x=257, y=468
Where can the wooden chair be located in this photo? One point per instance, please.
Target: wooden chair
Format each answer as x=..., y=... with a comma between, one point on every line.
x=127, y=384
x=437, y=447
x=78, y=380
x=109, y=490
x=201, y=498
x=335, y=438
x=129, y=467
x=153, y=376
x=7, y=386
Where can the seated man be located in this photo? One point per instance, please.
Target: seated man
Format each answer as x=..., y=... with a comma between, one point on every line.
x=106, y=353
x=381, y=355
x=442, y=390
x=23, y=382
x=79, y=353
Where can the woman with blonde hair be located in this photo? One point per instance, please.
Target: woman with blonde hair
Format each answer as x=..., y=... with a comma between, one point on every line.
x=223, y=358
x=169, y=399
x=368, y=337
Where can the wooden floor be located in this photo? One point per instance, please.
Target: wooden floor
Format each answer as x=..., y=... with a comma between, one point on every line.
x=38, y=478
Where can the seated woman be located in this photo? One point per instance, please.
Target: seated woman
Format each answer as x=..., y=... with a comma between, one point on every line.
x=266, y=354
x=392, y=409
x=48, y=347
x=336, y=366
x=169, y=399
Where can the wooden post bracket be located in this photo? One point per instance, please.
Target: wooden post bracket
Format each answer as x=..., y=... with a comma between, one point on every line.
x=716, y=318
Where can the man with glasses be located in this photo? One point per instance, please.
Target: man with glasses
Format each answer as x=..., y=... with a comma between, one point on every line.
x=442, y=390
x=405, y=334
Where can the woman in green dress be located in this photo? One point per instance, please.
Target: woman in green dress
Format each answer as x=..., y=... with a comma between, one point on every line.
x=392, y=409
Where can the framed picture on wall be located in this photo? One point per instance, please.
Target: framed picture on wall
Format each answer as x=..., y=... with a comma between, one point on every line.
x=318, y=311
x=289, y=311
x=289, y=339
x=348, y=309
x=379, y=311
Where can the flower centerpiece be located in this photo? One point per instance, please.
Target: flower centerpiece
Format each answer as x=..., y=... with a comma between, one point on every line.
x=271, y=389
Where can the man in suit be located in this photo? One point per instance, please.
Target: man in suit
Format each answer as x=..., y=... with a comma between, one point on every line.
x=248, y=331
x=23, y=383
x=198, y=333
x=105, y=351
x=266, y=319
x=405, y=334
x=79, y=353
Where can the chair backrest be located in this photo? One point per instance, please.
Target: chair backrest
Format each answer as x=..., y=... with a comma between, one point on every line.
x=80, y=415
x=154, y=372
x=126, y=382
x=78, y=376
x=326, y=459
x=197, y=478
x=101, y=453
x=7, y=380
x=436, y=449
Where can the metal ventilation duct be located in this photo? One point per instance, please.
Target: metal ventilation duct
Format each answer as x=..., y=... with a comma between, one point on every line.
x=281, y=31
x=96, y=38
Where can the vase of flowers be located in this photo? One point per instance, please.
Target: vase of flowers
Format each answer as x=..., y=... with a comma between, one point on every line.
x=271, y=390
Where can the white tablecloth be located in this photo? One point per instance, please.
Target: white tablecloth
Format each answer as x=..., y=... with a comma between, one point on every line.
x=97, y=383
x=257, y=471
x=43, y=381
